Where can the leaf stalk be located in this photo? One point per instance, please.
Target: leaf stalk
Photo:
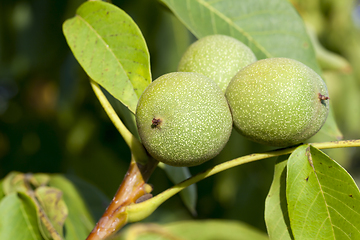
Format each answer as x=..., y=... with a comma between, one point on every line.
x=134, y=144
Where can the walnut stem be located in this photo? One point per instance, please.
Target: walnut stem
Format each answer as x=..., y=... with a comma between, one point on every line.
x=132, y=187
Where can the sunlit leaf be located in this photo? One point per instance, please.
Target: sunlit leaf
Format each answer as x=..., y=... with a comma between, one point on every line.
x=276, y=213
x=18, y=218
x=195, y=230
x=111, y=49
x=323, y=199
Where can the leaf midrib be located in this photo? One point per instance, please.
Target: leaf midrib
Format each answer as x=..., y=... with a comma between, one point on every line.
x=322, y=194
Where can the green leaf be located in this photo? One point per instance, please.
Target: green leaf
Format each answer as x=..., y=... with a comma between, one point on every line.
x=111, y=49
x=189, y=194
x=18, y=218
x=276, y=212
x=95, y=200
x=79, y=222
x=195, y=230
x=54, y=207
x=323, y=199
x=39, y=179
x=14, y=182
x=269, y=28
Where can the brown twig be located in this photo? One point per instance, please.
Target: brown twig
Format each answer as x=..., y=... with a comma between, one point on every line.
x=132, y=187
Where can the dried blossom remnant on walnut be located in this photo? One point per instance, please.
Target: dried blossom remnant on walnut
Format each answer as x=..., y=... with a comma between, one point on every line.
x=156, y=122
x=323, y=97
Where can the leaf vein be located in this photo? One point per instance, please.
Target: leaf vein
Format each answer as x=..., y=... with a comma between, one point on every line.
x=320, y=227
x=307, y=213
x=329, y=176
x=27, y=221
x=298, y=174
x=263, y=33
x=323, y=196
x=347, y=235
x=240, y=30
x=215, y=1
x=263, y=12
x=339, y=192
x=344, y=219
x=101, y=39
x=343, y=203
x=189, y=12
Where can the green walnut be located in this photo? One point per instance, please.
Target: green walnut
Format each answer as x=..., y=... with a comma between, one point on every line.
x=183, y=119
x=218, y=57
x=278, y=102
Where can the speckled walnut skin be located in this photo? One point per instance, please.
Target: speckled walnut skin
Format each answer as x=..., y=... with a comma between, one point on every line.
x=278, y=102
x=183, y=119
x=218, y=57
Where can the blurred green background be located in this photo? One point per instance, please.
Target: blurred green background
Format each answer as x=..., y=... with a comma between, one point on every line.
x=50, y=120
